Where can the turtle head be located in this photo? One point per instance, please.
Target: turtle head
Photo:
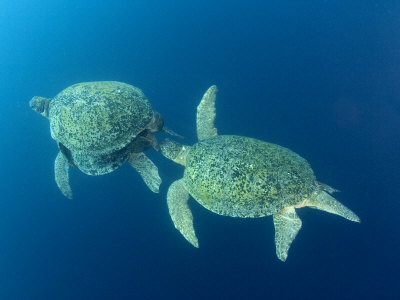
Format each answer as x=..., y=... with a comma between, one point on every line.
x=40, y=105
x=174, y=151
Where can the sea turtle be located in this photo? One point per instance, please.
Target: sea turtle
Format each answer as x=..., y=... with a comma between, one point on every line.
x=243, y=177
x=98, y=126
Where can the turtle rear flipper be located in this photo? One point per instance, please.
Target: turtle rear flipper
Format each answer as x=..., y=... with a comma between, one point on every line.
x=177, y=200
x=143, y=142
x=206, y=115
x=287, y=224
x=147, y=170
x=323, y=201
x=61, y=167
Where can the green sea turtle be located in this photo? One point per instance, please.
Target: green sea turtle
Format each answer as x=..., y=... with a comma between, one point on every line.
x=243, y=177
x=98, y=126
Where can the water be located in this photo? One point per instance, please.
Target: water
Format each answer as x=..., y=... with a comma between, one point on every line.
x=321, y=78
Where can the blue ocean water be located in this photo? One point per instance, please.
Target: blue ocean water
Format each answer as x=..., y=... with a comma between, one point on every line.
x=319, y=77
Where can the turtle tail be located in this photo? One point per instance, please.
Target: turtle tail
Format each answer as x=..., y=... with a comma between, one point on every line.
x=323, y=201
x=171, y=132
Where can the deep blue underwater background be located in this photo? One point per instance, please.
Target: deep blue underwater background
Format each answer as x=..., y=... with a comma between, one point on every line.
x=319, y=77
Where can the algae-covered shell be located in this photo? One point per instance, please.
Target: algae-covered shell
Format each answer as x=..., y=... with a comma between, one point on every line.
x=98, y=117
x=244, y=177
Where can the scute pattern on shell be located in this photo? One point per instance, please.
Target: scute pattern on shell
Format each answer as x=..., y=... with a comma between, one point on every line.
x=100, y=164
x=244, y=177
x=98, y=117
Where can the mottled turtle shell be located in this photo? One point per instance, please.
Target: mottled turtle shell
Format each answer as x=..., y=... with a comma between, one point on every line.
x=98, y=117
x=244, y=177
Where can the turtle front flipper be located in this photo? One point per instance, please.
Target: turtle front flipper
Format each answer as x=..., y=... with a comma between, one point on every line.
x=61, y=167
x=177, y=200
x=323, y=201
x=206, y=115
x=147, y=170
x=287, y=224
